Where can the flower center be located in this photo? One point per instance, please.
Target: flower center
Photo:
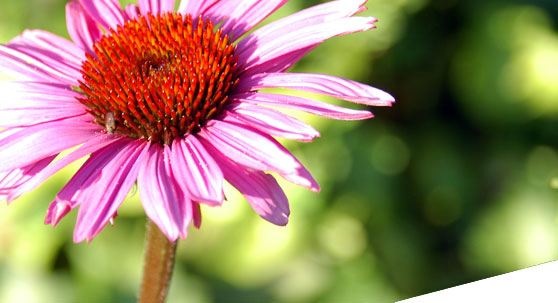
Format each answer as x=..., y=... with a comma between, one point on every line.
x=159, y=77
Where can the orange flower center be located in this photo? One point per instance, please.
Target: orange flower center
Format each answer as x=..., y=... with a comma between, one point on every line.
x=159, y=77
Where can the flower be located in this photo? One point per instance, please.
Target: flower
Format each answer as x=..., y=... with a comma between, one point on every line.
x=169, y=100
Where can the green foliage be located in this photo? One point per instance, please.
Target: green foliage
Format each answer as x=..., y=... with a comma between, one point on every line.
x=454, y=183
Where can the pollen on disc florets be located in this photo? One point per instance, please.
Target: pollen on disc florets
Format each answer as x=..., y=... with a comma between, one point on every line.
x=159, y=77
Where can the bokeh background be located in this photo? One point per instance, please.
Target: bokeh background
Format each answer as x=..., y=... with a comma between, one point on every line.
x=456, y=182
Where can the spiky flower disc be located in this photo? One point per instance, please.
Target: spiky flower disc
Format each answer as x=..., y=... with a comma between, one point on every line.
x=160, y=76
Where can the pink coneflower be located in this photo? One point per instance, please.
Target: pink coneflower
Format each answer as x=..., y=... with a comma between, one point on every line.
x=169, y=100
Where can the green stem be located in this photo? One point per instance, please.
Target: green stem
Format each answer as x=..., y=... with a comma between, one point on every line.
x=157, y=267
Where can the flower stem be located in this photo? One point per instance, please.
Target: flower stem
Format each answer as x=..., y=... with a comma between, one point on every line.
x=158, y=265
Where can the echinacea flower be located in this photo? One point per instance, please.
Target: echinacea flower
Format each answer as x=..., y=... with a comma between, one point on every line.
x=169, y=100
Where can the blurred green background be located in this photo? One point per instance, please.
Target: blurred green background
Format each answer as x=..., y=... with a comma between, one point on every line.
x=456, y=182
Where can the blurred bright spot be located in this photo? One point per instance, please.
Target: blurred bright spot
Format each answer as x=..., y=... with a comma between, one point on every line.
x=335, y=160
x=351, y=203
x=390, y=155
x=443, y=206
x=245, y=254
x=262, y=254
x=531, y=74
x=255, y=265
x=188, y=288
x=229, y=211
x=517, y=232
x=302, y=279
x=515, y=50
x=6, y=230
x=360, y=281
x=32, y=287
x=17, y=291
x=268, y=241
x=343, y=237
x=538, y=242
x=4, y=77
x=542, y=165
x=37, y=253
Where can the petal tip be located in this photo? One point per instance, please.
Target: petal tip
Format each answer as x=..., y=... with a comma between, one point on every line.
x=56, y=211
x=281, y=221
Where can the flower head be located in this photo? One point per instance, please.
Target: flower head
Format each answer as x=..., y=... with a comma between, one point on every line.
x=169, y=100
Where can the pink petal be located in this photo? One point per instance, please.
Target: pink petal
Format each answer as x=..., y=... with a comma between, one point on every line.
x=37, y=93
x=62, y=57
x=248, y=147
x=28, y=103
x=92, y=145
x=23, y=66
x=50, y=91
x=195, y=8
x=40, y=141
x=317, y=83
x=314, y=107
x=155, y=6
x=196, y=171
x=61, y=49
x=107, y=13
x=280, y=63
x=315, y=15
x=101, y=185
x=29, y=115
x=271, y=122
x=255, y=58
x=5, y=133
x=56, y=211
x=132, y=11
x=65, y=200
x=318, y=14
x=260, y=190
x=12, y=180
x=68, y=73
x=241, y=16
x=302, y=177
x=81, y=26
x=163, y=200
